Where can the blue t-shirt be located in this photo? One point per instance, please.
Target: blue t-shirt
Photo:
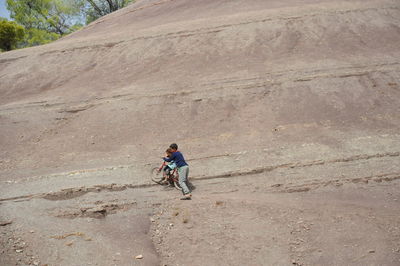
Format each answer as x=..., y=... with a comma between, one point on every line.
x=177, y=157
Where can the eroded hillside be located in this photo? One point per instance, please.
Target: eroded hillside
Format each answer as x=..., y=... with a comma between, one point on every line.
x=300, y=96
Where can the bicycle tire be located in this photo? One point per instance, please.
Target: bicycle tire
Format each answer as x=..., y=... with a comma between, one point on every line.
x=156, y=176
x=176, y=185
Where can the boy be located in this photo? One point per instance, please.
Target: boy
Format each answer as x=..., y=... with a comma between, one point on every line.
x=183, y=170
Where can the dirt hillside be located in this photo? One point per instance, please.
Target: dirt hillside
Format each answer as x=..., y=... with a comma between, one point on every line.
x=288, y=113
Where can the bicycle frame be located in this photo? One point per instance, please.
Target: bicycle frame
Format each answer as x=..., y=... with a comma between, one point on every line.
x=171, y=178
x=173, y=174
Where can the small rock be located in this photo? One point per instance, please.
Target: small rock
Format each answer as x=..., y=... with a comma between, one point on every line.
x=32, y=231
x=5, y=223
x=152, y=220
x=36, y=263
x=18, y=250
x=371, y=251
x=139, y=257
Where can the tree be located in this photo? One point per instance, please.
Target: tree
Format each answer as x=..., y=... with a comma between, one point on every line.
x=10, y=34
x=47, y=20
x=95, y=9
x=35, y=37
x=53, y=16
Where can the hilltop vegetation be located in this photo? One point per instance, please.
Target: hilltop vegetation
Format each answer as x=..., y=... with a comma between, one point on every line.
x=43, y=21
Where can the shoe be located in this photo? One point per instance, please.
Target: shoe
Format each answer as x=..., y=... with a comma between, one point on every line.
x=187, y=197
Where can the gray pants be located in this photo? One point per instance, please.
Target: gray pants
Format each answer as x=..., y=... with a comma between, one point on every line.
x=183, y=178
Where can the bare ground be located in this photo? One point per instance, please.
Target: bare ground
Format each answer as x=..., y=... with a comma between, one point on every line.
x=288, y=115
x=343, y=212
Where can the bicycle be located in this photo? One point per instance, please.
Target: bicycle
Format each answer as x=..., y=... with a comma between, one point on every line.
x=170, y=178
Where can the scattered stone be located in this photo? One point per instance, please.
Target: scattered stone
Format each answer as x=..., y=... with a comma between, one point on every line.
x=296, y=263
x=36, y=263
x=371, y=251
x=139, y=257
x=69, y=244
x=18, y=250
x=31, y=231
x=219, y=203
x=5, y=223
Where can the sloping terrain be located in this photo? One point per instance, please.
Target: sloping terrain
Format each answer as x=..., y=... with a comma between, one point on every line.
x=287, y=111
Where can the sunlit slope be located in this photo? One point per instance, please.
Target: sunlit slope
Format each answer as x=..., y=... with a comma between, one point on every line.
x=222, y=78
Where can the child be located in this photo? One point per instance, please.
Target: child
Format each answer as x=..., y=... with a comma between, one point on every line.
x=174, y=147
x=170, y=166
x=183, y=170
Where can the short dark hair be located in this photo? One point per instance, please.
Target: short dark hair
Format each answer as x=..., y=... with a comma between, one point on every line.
x=174, y=146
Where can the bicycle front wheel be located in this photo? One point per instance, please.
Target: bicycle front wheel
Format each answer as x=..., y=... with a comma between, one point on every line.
x=156, y=176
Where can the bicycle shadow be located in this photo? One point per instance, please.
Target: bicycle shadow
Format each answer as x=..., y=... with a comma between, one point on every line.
x=191, y=186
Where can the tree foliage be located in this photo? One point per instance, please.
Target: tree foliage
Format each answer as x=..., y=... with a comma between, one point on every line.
x=10, y=34
x=47, y=20
x=53, y=16
x=95, y=9
x=35, y=37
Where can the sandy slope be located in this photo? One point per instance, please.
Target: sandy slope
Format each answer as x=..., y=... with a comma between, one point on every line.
x=288, y=113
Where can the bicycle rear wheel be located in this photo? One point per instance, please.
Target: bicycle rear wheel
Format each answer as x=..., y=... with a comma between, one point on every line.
x=176, y=184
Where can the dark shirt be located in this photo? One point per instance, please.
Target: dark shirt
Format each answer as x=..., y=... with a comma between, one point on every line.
x=177, y=157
